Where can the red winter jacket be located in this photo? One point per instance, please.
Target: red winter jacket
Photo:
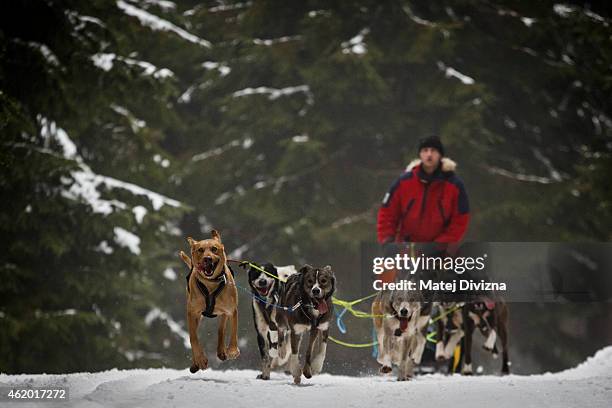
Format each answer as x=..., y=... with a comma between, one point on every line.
x=425, y=208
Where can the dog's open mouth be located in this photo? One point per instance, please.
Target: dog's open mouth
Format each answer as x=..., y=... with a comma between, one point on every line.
x=208, y=267
x=321, y=306
x=263, y=291
x=404, y=323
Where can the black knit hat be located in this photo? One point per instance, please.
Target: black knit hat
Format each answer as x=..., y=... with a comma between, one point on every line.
x=431, y=141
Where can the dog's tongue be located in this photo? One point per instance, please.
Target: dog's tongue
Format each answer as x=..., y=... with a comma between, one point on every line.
x=322, y=307
x=403, y=323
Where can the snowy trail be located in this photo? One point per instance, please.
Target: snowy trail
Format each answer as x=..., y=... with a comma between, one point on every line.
x=589, y=385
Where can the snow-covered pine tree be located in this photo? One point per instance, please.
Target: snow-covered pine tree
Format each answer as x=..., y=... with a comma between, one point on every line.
x=86, y=232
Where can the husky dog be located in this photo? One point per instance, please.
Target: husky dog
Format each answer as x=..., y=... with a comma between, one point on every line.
x=400, y=319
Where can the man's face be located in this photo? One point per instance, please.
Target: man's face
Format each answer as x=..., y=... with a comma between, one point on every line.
x=430, y=157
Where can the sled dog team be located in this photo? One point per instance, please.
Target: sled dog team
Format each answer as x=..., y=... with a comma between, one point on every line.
x=287, y=304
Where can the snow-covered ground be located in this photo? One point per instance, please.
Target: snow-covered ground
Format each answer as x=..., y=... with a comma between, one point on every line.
x=588, y=385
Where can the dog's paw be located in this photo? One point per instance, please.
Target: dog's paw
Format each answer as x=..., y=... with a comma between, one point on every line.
x=233, y=353
x=489, y=344
x=307, y=371
x=263, y=377
x=384, y=359
x=467, y=369
x=200, y=362
x=404, y=378
x=385, y=369
x=297, y=380
x=222, y=354
x=317, y=366
x=440, y=352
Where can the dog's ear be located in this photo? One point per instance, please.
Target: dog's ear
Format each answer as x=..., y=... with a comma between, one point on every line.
x=186, y=259
x=333, y=288
x=270, y=268
x=215, y=234
x=328, y=268
x=222, y=248
x=304, y=268
x=191, y=241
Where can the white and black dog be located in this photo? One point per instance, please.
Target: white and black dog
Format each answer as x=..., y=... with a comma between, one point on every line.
x=265, y=287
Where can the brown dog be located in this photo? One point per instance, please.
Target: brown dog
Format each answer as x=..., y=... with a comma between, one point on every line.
x=211, y=292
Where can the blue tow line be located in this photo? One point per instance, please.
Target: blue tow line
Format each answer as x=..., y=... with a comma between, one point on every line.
x=343, y=330
x=339, y=322
x=374, y=340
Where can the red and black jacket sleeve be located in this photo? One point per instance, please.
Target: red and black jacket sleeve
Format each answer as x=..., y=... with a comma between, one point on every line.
x=460, y=215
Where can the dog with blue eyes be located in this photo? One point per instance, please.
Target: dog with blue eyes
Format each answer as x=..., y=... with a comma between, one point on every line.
x=306, y=301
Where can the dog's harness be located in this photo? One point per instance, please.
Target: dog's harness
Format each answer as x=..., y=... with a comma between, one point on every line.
x=210, y=297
